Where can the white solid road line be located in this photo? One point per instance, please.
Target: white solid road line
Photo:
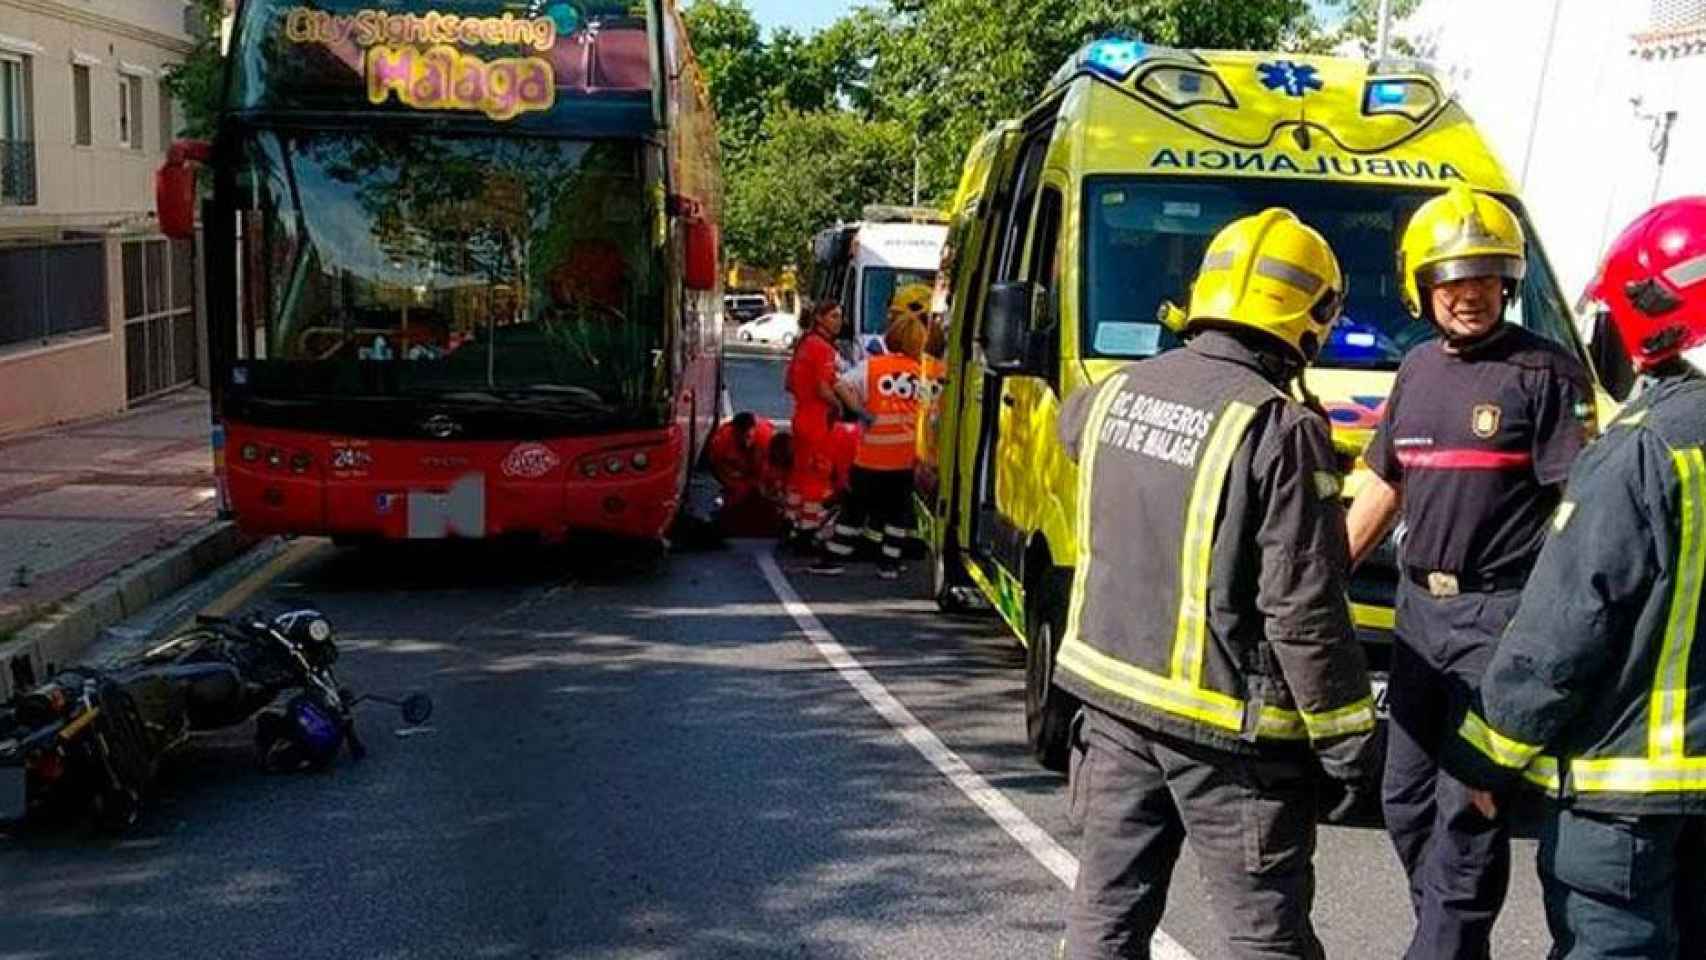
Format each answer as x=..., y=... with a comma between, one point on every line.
x=1036, y=841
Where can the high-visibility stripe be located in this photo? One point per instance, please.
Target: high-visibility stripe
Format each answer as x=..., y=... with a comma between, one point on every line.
x=894, y=419
x=896, y=532
x=1639, y=775
x=1190, y=638
x=1355, y=718
x=1543, y=773
x=1465, y=459
x=885, y=439
x=1290, y=274
x=1632, y=420
x=1373, y=617
x=1502, y=750
x=1175, y=696
x=1089, y=444
x=1687, y=273
x=1668, y=719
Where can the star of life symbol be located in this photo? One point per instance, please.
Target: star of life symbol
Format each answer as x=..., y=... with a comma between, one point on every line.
x=1296, y=79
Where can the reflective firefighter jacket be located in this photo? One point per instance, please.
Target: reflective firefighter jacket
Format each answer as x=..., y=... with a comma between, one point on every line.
x=1209, y=598
x=1596, y=693
x=890, y=440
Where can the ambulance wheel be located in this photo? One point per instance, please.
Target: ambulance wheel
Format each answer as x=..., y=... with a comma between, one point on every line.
x=1048, y=709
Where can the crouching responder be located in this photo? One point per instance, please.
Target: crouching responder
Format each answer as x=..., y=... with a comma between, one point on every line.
x=750, y=467
x=1208, y=632
x=883, y=389
x=1594, y=694
x=1479, y=433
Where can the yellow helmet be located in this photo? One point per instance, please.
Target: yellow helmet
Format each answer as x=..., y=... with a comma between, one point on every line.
x=1457, y=235
x=911, y=298
x=1270, y=272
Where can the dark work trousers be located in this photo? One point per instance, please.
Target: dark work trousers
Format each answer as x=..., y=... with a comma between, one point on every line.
x=878, y=510
x=1458, y=861
x=1251, y=823
x=1624, y=886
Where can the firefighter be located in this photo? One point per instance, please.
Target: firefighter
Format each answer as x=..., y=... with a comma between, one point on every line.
x=811, y=379
x=883, y=390
x=1208, y=633
x=1593, y=694
x=1479, y=433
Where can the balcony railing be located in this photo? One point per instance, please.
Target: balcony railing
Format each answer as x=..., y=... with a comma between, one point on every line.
x=17, y=172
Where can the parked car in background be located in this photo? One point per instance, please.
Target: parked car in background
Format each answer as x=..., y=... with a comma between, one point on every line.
x=743, y=308
x=772, y=329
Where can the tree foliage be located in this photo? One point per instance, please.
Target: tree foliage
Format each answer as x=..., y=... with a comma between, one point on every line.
x=195, y=83
x=923, y=77
x=807, y=170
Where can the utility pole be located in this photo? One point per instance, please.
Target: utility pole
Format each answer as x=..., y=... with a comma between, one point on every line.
x=1383, y=41
x=917, y=169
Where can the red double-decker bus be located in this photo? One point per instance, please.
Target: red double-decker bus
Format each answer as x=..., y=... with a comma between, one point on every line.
x=462, y=267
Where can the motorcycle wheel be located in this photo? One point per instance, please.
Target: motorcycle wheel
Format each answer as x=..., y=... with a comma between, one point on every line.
x=117, y=809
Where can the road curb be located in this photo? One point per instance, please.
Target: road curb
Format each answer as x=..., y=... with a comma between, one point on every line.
x=62, y=635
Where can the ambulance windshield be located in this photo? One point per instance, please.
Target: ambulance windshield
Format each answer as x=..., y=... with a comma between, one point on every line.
x=1145, y=240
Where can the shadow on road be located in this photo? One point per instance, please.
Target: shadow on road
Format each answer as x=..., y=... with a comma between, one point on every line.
x=643, y=766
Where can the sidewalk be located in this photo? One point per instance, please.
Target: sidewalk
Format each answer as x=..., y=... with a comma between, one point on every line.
x=80, y=503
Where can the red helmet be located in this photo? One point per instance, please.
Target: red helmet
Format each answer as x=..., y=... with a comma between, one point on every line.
x=1654, y=282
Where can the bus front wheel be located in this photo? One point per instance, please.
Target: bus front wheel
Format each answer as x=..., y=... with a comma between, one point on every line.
x=1049, y=710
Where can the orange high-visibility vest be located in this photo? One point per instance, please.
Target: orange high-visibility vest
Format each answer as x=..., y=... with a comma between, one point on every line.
x=891, y=398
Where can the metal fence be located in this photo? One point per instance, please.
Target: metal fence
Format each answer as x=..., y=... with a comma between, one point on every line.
x=162, y=348
x=52, y=290
x=18, y=172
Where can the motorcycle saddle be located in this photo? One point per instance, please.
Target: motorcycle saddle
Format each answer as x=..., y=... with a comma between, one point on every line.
x=213, y=692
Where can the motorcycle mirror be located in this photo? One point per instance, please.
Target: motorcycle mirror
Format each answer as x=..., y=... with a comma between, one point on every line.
x=417, y=709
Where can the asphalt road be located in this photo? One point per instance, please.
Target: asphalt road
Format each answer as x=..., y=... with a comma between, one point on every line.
x=754, y=377
x=668, y=765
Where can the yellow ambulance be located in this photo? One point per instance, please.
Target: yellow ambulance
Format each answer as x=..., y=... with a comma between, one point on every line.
x=1081, y=221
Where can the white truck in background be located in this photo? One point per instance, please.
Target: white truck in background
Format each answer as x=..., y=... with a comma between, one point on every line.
x=885, y=262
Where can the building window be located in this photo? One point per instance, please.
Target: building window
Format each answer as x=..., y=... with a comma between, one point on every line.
x=17, y=141
x=80, y=104
x=130, y=112
x=168, y=122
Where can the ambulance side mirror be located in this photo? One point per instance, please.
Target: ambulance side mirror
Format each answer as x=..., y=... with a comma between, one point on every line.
x=1007, y=328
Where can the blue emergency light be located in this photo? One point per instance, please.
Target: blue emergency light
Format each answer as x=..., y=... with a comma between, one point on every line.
x=1115, y=58
x=1389, y=94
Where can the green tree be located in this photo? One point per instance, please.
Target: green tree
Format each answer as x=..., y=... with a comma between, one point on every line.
x=953, y=68
x=806, y=171
x=196, y=83
x=1356, y=24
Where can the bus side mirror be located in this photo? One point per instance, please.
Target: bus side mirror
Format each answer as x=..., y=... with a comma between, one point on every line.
x=174, y=187
x=701, y=267
x=1007, y=327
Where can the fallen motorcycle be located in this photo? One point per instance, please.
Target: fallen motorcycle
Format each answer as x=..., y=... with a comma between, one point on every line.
x=92, y=740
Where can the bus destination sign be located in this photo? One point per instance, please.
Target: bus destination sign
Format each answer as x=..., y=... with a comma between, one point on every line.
x=421, y=58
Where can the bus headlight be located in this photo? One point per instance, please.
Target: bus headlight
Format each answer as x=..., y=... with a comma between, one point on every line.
x=640, y=460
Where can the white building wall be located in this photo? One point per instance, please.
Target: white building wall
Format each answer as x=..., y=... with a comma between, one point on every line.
x=105, y=183
x=1551, y=83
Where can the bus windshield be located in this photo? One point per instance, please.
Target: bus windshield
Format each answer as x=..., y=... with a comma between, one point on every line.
x=385, y=264
x=485, y=60
x=1145, y=239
